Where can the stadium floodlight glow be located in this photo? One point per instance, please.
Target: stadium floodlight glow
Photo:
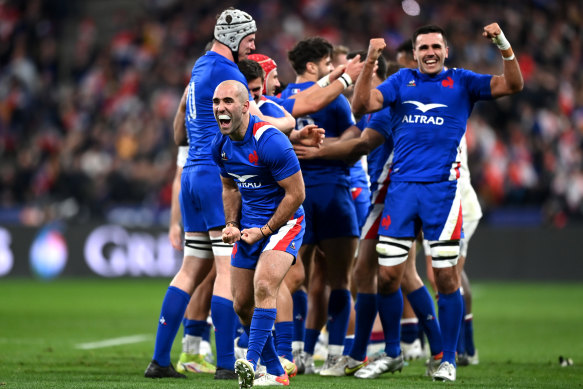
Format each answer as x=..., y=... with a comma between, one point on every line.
x=411, y=7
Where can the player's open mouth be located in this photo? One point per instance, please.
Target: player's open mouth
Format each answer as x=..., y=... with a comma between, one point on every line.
x=224, y=120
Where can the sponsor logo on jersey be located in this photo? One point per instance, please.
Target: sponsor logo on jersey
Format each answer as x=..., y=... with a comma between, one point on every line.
x=242, y=180
x=423, y=119
x=412, y=83
x=424, y=107
x=224, y=156
x=447, y=83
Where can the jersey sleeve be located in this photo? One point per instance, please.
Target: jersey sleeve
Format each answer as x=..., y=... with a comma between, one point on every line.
x=276, y=152
x=271, y=108
x=287, y=104
x=478, y=85
x=380, y=121
x=361, y=124
x=216, y=149
x=389, y=88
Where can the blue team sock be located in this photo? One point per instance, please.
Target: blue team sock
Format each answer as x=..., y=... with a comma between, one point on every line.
x=366, y=312
x=206, y=333
x=270, y=358
x=422, y=303
x=450, y=318
x=224, y=317
x=338, y=316
x=461, y=340
x=261, y=325
x=171, y=315
x=311, y=340
x=194, y=327
x=409, y=330
x=300, y=299
x=244, y=339
x=283, y=339
x=469, y=327
x=348, y=343
x=390, y=311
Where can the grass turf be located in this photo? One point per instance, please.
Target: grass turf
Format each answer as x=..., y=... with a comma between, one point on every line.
x=520, y=329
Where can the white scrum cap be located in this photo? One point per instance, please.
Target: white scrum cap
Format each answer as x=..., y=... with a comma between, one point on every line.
x=232, y=26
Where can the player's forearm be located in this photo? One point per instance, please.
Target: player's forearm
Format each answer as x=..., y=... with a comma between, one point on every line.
x=512, y=74
x=316, y=98
x=231, y=204
x=175, y=215
x=285, y=210
x=284, y=124
x=349, y=151
x=295, y=194
x=511, y=81
x=179, y=124
x=361, y=97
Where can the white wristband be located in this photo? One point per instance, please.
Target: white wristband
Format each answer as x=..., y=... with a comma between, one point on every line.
x=324, y=81
x=501, y=41
x=345, y=79
x=509, y=58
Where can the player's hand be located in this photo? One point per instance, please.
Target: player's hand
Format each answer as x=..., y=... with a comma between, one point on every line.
x=251, y=235
x=375, y=48
x=306, y=152
x=310, y=135
x=354, y=67
x=491, y=31
x=337, y=72
x=231, y=234
x=175, y=236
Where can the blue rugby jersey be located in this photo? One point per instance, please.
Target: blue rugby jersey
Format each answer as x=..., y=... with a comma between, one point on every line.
x=264, y=157
x=270, y=108
x=379, y=160
x=334, y=119
x=201, y=126
x=287, y=104
x=429, y=116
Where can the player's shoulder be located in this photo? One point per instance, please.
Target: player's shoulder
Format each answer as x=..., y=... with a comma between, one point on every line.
x=266, y=100
x=262, y=129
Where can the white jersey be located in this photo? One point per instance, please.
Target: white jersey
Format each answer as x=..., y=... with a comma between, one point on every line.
x=471, y=209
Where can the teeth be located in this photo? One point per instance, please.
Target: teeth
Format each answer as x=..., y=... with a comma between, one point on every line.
x=224, y=117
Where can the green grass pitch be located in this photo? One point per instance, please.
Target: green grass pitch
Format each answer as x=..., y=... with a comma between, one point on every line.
x=520, y=328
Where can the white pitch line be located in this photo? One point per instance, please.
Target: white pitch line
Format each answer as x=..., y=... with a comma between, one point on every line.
x=113, y=342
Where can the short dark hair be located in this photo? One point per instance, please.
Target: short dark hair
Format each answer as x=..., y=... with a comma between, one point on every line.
x=381, y=62
x=406, y=46
x=308, y=50
x=428, y=30
x=251, y=69
x=392, y=67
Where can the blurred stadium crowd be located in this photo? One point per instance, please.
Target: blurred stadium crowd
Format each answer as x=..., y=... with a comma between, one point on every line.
x=87, y=99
